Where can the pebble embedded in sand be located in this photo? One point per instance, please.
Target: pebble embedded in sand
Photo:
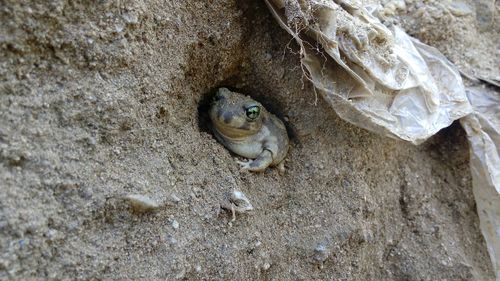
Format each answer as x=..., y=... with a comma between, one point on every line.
x=236, y=202
x=174, y=198
x=320, y=253
x=175, y=224
x=141, y=203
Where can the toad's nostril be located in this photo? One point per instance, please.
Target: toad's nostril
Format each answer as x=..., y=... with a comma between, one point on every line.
x=228, y=117
x=218, y=96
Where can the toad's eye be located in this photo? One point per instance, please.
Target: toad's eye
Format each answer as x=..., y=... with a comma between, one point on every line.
x=252, y=112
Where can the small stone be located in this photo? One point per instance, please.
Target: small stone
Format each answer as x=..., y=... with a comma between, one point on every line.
x=400, y=5
x=119, y=28
x=460, y=9
x=236, y=202
x=346, y=184
x=72, y=225
x=91, y=141
x=141, y=203
x=52, y=235
x=320, y=253
x=239, y=199
x=130, y=18
x=170, y=240
x=86, y=193
x=175, y=199
x=175, y=224
x=367, y=235
x=197, y=192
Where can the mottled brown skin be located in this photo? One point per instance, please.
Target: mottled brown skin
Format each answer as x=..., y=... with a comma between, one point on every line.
x=260, y=137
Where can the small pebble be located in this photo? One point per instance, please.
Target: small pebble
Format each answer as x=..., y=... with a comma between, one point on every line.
x=130, y=18
x=175, y=224
x=119, y=28
x=91, y=141
x=170, y=240
x=141, y=203
x=236, y=202
x=175, y=199
x=240, y=201
x=86, y=193
x=266, y=266
x=72, y=225
x=460, y=9
x=320, y=253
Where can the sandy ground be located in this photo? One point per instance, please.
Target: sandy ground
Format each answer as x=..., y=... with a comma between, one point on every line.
x=104, y=99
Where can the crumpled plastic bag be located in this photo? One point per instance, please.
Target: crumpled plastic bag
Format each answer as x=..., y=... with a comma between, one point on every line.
x=383, y=80
x=377, y=78
x=483, y=132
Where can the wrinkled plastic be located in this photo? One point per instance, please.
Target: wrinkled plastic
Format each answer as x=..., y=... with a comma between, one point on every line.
x=483, y=132
x=377, y=78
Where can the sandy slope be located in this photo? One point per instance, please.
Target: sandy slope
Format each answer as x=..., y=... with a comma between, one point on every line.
x=102, y=100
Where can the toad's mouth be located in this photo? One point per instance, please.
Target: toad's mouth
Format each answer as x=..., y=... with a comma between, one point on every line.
x=233, y=133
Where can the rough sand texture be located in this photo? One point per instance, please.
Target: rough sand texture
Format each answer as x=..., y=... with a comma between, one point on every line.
x=103, y=99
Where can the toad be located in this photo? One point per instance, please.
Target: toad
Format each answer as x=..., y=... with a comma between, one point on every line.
x=246, y=128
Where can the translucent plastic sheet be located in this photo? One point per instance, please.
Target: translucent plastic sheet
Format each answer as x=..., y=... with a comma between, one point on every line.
x=483, y=132
x=377, y=78
x=383, y=80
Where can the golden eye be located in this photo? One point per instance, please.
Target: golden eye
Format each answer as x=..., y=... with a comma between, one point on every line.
x=253, y=112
